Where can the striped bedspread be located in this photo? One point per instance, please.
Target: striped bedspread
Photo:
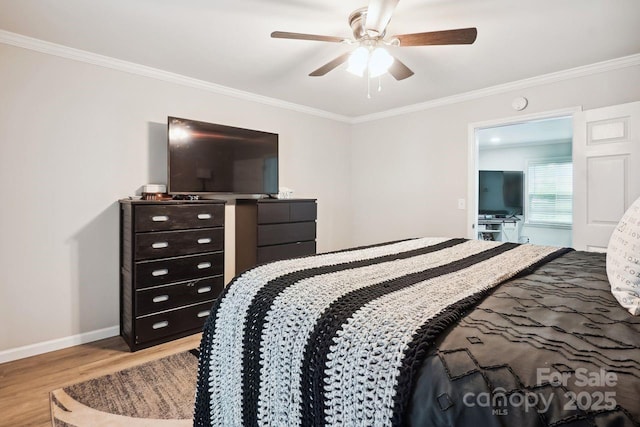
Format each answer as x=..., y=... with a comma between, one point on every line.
x=335, y=339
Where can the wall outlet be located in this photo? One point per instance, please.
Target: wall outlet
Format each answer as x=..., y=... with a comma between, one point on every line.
x=462, y=204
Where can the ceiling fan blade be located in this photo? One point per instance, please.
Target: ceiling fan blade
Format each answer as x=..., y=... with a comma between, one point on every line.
x=460, y=36
x=399, y=71
x=331, y=65
x=379, y=14
x=301, y=36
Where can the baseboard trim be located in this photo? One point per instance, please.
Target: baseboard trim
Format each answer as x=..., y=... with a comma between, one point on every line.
x=57, y=344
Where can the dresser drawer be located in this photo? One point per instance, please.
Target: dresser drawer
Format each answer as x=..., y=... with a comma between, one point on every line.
x=275, y=234
x=165, y=271
x=172, y=322
x=177, y=217
x=291, y=250
x=153, y=300
x=166, y=244
x=269, y=213
x=303, y=211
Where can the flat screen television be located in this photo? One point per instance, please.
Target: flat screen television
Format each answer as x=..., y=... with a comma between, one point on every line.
x=500, y=193
x=206, y=158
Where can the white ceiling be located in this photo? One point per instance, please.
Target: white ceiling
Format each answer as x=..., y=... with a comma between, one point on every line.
x=547, y=131
x=227, y=42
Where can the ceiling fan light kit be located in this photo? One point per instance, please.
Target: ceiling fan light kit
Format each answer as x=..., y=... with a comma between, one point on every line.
x=379, y=62
x=376, y=61
x=358, y=61
x=369, y=26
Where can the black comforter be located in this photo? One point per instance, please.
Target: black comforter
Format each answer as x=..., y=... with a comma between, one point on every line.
x=553, y=348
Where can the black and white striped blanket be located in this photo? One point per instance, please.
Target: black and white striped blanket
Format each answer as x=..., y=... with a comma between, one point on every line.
x=335, y=339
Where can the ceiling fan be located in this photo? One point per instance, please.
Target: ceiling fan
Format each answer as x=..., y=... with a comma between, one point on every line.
x=369, y=25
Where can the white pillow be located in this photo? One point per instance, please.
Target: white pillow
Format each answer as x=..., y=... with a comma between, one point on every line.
x=623, y=260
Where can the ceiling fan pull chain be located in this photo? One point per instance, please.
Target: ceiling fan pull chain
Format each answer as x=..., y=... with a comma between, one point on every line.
x=368, y=85
x=379, y=84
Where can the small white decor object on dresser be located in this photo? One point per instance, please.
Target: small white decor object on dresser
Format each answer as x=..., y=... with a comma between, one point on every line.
x=623, y=260
x=285, y=193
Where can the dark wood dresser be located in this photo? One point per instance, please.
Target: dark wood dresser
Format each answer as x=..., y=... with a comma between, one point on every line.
x=171, y=268
x=274, y=229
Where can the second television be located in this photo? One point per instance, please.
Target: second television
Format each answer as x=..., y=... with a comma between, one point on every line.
x=500, y=193
x=208, y=158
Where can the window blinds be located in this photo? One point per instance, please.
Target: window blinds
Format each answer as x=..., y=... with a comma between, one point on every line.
x=550, y=192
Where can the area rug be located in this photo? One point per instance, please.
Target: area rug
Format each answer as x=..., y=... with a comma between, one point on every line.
x=158, y=393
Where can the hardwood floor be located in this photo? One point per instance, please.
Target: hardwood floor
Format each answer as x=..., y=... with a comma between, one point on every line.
x=25, y=384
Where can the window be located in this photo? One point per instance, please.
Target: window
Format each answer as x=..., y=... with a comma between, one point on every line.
x=550, y=192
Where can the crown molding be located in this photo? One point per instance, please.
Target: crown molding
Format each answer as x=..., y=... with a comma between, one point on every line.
x=42, y=46
x=582, y=71
x=62, y=51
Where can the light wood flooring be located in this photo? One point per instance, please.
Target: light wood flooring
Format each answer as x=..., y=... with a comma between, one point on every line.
x=25, y=384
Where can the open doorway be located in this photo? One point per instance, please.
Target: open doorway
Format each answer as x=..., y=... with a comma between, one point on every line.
x=522, y=181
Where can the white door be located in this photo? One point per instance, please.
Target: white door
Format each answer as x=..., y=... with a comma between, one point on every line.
x=606, y=164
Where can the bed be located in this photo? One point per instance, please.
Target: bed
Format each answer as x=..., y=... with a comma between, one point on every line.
x=422, y=332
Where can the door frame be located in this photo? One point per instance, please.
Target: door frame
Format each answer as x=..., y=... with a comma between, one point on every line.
x=472, y=154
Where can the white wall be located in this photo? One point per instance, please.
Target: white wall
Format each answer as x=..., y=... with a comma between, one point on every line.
x=408, y=171
x=515, y=159
x=74, y=138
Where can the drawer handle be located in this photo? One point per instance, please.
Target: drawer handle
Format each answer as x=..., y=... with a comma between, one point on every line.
x=160, y=325
x=160, y=245
x=204, y=265
x=161, y=298
x=159, y=218
x=162, y=272
x=204, y=216
x=204, y=289
x=204, y=313
x=204, y=240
